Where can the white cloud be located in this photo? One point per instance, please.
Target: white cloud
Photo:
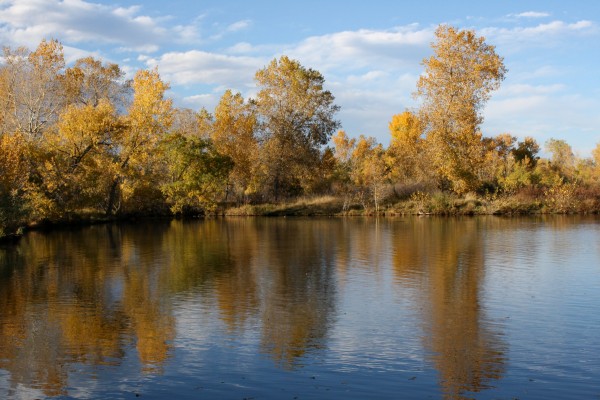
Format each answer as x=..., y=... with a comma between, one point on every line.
x=370, y=55
x=127, y=12
x=230, y=29
x=348, y=50
x=566, y=116
x=200, y=67
x=581, y=25
x=196, y=102
x=78, y=21
x=267, y=50
x=370, y=76
x=239, y=25
x=543, y=34
x=187, y=33
x=72, y=54
x=531, y=14
x=241, y=48
x=546, y=71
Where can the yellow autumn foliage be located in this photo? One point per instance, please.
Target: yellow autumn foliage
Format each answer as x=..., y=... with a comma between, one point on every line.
x=457, y=82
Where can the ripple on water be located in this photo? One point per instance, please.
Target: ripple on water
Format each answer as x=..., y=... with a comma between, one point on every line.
x=455, y=308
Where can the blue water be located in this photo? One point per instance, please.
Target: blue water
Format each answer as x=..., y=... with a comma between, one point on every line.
x=398, y=308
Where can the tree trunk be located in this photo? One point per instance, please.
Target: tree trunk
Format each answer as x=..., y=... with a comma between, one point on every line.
x=112, y=207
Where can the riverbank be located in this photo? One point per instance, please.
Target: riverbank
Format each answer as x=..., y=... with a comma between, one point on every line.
x=436, y=203
x=419, y=203
x=73, y=220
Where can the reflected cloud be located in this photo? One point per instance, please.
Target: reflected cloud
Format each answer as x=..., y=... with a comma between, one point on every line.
x=69, y=300
x=106, y=294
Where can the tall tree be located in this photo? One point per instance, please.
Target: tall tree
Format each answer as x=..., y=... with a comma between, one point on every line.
x=90, y=81
x=137, y=157
x=70, y=172
x=457, y=82
x=234, y=135
x=13, y=182
x=296, y=119
x=33, y=88
x=563, y=159
x=78, y=156
x=371, y=168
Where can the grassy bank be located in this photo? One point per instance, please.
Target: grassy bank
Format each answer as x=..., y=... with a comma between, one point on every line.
x=305, y=206
x=435, y=203
x=563, y=201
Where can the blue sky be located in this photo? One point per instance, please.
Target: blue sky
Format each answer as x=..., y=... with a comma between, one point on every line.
x=369, y=52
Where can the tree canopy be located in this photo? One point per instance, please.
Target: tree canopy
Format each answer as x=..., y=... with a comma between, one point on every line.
x=296, y=118
x=457, y=82
x=81, y=138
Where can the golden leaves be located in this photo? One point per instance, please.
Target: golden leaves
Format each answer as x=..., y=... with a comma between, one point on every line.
x=457, y=82
x=234, y=135
x=297, y=118
x=90, y=125
x=150, y=114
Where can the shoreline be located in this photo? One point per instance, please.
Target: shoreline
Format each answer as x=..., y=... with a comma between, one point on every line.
x=317, y=207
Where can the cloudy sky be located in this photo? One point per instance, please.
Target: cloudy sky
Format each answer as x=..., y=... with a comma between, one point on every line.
x=368, y=51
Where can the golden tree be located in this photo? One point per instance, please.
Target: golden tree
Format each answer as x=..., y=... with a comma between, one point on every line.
x=371, y=168
x=563, y=159
x=13, y=181
x=137, y=158
x=407, y=148
x=457, y=82
x=70, y=165
x=90, y=81
x=32, y=86
x=296, y=117
x=79, y=154
x=233, y=135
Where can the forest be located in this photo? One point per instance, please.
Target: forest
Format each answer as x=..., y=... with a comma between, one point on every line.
x=83, y=142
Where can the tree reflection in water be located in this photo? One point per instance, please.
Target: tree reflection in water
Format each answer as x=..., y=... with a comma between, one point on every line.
x=95, y=295
x=445, y=259
x=69, y=298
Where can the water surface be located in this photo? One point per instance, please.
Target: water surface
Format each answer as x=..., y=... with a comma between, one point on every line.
x=412, y=308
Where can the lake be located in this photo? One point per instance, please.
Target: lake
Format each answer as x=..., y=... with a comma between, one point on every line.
x=285, y=308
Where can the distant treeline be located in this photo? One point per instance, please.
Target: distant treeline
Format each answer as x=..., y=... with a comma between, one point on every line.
x=81, y=139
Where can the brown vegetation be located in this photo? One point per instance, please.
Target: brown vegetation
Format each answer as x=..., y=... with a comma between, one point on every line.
x=80, y=141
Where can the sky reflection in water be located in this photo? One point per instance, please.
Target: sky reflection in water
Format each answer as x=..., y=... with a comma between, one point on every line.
x=319, y=308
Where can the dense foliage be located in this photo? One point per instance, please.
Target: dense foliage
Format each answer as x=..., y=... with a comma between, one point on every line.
x=81, y=139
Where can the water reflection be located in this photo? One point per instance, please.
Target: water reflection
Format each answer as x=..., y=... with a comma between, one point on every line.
x=103, y=296
x=71, y=298
x=445, y=257
x=274, y=271
x=90, y=295
x=298, y=286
